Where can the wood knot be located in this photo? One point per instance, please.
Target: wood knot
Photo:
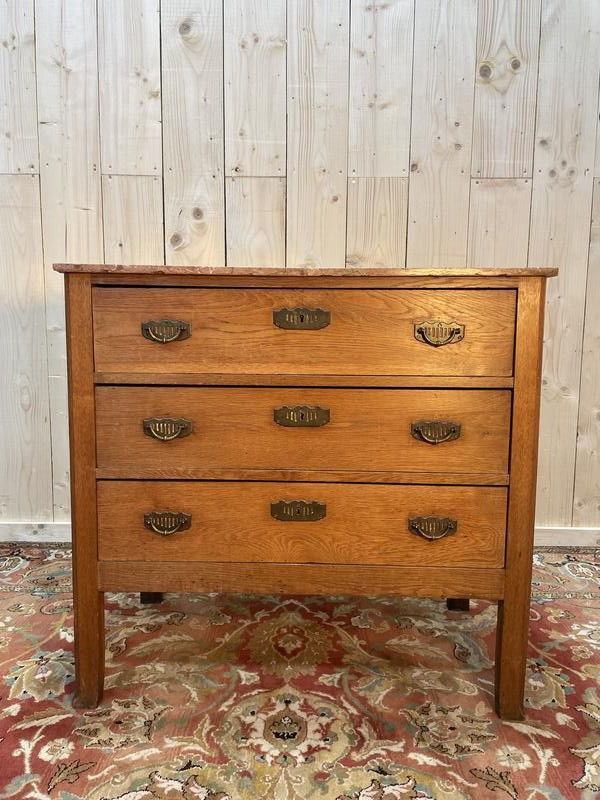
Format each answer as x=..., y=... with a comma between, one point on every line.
x=485, y=71
x=176, y=239
x=515, y=64
x=185, y=28
x=197, y=213
x=414, y=167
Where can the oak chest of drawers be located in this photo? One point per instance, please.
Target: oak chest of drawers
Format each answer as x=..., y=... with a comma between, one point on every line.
x=304, y=432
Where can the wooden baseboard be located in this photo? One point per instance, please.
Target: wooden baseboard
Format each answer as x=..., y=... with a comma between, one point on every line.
x=59, y=532
x=32, y=532
x=567, y=537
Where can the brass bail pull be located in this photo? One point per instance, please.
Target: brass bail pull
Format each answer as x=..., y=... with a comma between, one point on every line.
x=432, y=527
x=165, y=429
x=437, y=333
x=164, y=331
x=435, y=431
x=166, y=523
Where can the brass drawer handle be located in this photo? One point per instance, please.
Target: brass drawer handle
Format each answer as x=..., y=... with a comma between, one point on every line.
x=433, y=527
x=301, y=416
x=435, y=431
x=166, y=523
x=301, y=319
x=166, y=330
x=439, y=333
x=165, y=429
x=298, y=510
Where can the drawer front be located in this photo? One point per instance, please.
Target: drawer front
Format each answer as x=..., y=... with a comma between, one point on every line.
x=174, y=429
x=322, y=523
x=358, y=332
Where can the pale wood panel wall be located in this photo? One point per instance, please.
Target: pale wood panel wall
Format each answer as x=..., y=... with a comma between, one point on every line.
x=404, y=132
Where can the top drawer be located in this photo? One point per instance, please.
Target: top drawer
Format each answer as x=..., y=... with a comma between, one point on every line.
x=356, y=332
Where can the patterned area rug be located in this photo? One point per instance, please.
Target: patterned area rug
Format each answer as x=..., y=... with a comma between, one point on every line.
x=236, y=697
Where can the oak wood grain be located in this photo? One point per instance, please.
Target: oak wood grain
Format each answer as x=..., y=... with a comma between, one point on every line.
x=88, y=598
x=364, y=524
x=234, y=428
x=513, y=611
x=371, y=332
x=177, y=576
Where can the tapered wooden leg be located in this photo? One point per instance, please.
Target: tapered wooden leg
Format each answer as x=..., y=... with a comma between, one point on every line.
x=151, y=597
x=89, y=648
x=457, y=604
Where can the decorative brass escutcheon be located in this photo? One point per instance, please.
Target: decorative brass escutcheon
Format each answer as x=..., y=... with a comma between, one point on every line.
x=301, y=319
x=437, y=333
x=435, y=431
x=298, y=510
x=166, y=330
x=167, y=428
x=166, y=523
x=432, y=527
x=301, y=416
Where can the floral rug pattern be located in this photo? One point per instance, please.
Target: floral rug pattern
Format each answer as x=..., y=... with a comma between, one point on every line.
x=239, y=697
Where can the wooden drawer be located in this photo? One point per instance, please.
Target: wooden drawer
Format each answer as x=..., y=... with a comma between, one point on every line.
x=365, y=524
x=370, y=332
x=234, y=428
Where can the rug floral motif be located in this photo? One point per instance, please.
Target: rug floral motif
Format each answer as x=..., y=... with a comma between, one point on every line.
x=240, y=697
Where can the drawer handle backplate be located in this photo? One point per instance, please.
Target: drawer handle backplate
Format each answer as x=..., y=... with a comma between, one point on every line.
x=167, y=523
x=301, y=319
x=298, y=510
x=164, y=331
x=433, y=527
x=437, y=333
x=301, y=416
x=167, y=428
x=435, y=431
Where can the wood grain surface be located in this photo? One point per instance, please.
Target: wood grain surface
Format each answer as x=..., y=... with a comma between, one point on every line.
x=175, y=576
x=366, y=524
x=234, y=428
x=371, y=332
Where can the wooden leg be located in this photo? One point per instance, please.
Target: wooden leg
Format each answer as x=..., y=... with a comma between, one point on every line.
x=511, y=658
x=89, y=648
x=151, y=597
x=457, y=604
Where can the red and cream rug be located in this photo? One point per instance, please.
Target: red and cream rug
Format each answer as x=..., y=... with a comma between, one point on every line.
x=237, y=697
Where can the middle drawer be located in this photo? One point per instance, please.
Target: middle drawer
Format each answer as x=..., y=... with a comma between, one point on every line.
x=171, y=430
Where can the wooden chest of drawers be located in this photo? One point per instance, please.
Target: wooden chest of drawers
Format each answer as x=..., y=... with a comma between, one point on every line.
x=305, y=432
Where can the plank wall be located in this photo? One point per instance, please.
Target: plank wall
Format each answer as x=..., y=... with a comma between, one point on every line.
x=298, y=132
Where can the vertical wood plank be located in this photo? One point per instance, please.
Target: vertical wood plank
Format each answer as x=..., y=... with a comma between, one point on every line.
x=69, y=141
x=505, y=88
x=133, y=219
x=317, y=151
x=560, y=224
x=256, y=222
x=192, y=78
x=376, y=235
x=255, y=69
x=129, y=76
x=25, y=467
x=442, y=117
x=381, y=53
x=499, y=222
x=586, y=508
x=18, y=118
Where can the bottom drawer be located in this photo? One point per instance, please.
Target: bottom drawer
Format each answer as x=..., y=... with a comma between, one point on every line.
x=322, y=523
